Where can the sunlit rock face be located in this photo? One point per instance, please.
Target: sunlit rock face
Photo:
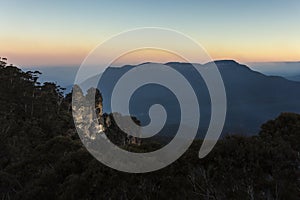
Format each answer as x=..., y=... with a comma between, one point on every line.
x=91, y=122
x=88, y=118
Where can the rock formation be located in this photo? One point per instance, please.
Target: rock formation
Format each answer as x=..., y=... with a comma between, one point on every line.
x=91, y=122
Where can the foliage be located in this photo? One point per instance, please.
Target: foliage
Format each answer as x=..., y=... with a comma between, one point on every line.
x=42, y=158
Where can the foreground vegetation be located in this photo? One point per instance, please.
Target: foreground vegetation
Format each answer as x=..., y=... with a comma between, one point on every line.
x=41, y=156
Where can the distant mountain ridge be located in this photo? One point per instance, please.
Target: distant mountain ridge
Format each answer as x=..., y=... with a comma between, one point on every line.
x=288, y=70
x=293, y=78
x=252, y=97
x=65, y=76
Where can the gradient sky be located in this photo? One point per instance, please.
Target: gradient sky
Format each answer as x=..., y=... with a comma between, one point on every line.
x=60, y=33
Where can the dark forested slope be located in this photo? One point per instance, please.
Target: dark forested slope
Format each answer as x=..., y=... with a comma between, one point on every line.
x=41, y=156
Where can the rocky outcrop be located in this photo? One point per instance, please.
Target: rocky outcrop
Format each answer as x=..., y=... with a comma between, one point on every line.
x=88, y=117
x=91, y=122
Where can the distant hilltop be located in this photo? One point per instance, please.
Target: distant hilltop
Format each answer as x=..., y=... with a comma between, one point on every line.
x=288, y=70
x=252, y=97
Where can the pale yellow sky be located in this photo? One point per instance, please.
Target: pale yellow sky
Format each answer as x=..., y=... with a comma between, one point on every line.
x=56, y=33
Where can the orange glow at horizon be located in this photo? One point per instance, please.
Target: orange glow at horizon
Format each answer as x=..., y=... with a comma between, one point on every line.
x=60, y=33
x=41, y=52
x=31, y=52
x=148, y=55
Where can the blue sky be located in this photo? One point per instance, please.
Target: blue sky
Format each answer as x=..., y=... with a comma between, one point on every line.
x=243, y=30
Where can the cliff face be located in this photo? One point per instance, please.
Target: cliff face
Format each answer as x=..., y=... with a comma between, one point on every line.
x=88, y=119
x=91, y=122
